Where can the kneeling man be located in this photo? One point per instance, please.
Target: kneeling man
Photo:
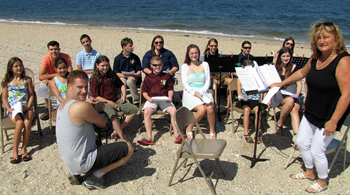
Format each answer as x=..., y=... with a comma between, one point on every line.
x=76, y=137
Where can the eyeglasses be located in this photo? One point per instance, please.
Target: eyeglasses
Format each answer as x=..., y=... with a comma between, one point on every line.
x=324, y=23
x=288, y=43
x=157, y=64
x=247, y=47
x=213, y=46
x=158, y=42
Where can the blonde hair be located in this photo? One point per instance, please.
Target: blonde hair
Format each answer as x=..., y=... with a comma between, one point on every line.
x=320, y=27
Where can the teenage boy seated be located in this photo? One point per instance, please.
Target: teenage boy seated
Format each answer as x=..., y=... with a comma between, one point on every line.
x=127, y=66
x=157, y=84
x=47, y=70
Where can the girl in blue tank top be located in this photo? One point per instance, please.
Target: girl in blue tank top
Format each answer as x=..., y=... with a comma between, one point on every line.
x=58, y=84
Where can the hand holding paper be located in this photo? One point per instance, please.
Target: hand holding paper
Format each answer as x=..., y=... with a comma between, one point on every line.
x=18, y=108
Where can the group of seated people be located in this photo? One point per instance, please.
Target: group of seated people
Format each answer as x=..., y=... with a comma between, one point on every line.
x=79, y=116
x=104, y=90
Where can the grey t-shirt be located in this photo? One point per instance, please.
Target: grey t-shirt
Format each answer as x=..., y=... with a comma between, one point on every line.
x=76, y=144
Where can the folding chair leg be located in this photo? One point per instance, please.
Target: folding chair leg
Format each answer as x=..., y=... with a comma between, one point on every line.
x=290, y=157
x=209, y=182
x=174, y=170
x=219, y=165
x=274, y=119
x=2, y=142
x=344, y=159
x=185, y=162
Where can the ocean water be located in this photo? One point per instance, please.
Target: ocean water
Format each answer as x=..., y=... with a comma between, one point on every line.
x=262, y=19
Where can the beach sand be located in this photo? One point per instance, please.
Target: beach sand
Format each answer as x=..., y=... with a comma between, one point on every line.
x=149, y=170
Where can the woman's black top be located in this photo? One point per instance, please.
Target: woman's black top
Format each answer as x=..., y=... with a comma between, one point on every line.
x=323, y=93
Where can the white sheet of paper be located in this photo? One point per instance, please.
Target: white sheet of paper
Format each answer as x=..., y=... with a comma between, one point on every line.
x=160, y=98
x=166, y=71
x=18, y=108
x=289, y=93
x=270, y=94
x=270, y=74
x=246, y=77
x=129, y=73
x=206, y=99
x=242, y=98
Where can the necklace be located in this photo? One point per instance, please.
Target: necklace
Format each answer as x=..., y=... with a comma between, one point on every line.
x=319, y=66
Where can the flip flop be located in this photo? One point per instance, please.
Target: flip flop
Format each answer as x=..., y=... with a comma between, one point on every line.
x=26, y=157
x=14, y=160
x=179, y=139
x=146, y=143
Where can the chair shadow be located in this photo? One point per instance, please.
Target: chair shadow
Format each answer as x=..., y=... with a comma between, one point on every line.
x=134, y=169
x=207, y=166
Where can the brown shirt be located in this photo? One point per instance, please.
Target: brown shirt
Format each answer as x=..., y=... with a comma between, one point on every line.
x=157, y=85
x=107, y=89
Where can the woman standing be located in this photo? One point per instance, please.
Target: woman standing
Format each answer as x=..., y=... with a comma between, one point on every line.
x=285, y=68
x=327, y=105
x=196, y=81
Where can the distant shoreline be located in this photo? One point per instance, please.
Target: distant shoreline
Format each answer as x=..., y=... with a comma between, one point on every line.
x=197, y=32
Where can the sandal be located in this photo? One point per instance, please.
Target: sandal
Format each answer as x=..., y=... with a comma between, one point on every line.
x=14, y=160
x=258, y=140
x=178, y=140
x=248, y=139
x=26, y=157
x=316, y=188
x=280, y=130
x=212, y=135
x=300, y=176
x=145, y=142
x=189, y=135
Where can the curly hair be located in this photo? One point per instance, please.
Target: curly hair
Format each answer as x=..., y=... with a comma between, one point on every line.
x=97, y=76
x=9, y=74
x=320, y=27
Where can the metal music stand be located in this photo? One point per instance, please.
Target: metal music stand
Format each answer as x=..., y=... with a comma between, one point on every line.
x=300, y=61
x=255, y=159
x=222, y=63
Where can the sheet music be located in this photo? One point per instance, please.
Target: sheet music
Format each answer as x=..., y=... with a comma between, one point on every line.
x=128, y=73
x=205, y=99
x=269, y=74
x=160, y=98
x=269, y=95
x=247, y=78
x=18, y=109
x=289, y=93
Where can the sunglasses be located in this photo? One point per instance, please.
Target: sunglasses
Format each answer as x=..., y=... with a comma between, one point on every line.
x=288, y=43
x=247, y=47
x=160, y=42
x=324, y=23
x=213, y=46
x=157, y=64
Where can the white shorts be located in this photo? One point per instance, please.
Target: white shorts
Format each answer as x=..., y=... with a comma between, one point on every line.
x=163, y=105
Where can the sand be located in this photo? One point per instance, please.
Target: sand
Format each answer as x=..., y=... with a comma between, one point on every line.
x=149, y=170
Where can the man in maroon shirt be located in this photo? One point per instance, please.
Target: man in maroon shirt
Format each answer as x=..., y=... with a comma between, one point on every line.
x=158, y=85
